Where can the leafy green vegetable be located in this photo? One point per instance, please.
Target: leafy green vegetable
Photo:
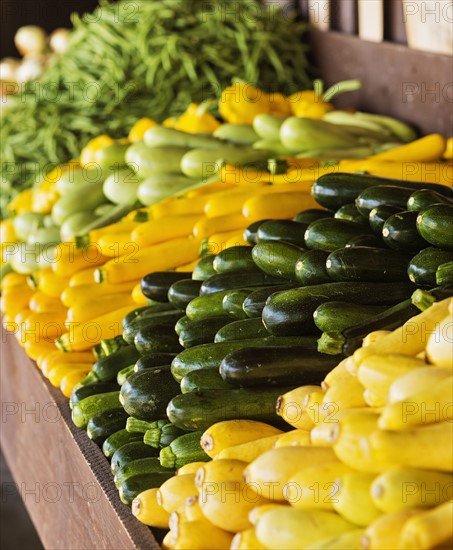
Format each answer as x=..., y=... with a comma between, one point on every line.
x=138, y=58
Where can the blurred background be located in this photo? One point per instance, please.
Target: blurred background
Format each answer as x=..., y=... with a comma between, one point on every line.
x=48, y=14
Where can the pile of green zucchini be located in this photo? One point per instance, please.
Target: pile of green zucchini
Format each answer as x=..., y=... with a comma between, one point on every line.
x=253, y=322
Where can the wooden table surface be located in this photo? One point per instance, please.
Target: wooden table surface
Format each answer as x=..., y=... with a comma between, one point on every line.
x=62, y=476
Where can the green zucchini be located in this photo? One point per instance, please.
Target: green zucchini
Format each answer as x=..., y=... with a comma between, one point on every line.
x=199, y=410
x=89, y=380
x=155, y=285
x=135, y=485
x=242, y=329
x=167, y=318
x=183, y=450
x=291, y=312
x=350, y=213
x=147, y=465
x=365, y=240
x=329, y=234
x=163, y=436
x=145, y=311
x=424, y=198
x=153, y=360
x=351, y=338
x=312, y=214
x=379, y=215
x=209, y=356
x=135, y=425
x=435, y=225
x=98, y=351
x=250, y=232
x=337, y=316
x=444, y=274
x=157, y=338
x=235, y=258
x=276, y=258
x=276, y=366
x=206, y=306
x=181, y=324
x=282, y=230
x=233, y=301
x=182, y=292
x=311, y=268
x=237, y=279
x=107, y=368
x=382, y=194
x=111, y=345
x=145, y=394
x=105, y=423
x=129, y=452
x=400, y=233
x=423, y=299
x=204, y=379
x=124, y=374
x=254, y=303
x=423, y=267
x=139, y=312
x=204, y=268
x=202, y=332
x=78, y=394
x=94, y=404
x=337, y=189
x=364, y=263
x=117, y=440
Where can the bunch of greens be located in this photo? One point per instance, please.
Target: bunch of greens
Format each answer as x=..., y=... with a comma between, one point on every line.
x=138, y=58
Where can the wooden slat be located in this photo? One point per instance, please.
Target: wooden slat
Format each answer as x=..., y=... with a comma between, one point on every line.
x=371, y=20
x=394, y=27
x=397, y=81
x=319, y=14
x=344, y=16
x=62, y=476
x=429, y=25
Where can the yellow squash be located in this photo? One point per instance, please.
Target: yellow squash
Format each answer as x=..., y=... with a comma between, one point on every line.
x=271, y=471
x=147, y=510
x=158, y=257
x=229, y=433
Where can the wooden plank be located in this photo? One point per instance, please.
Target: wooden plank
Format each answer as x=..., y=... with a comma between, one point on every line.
x=397, y=81
x=62, y=476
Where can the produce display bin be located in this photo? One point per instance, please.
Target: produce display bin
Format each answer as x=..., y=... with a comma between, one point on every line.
x=61, y=475
x=412, y=85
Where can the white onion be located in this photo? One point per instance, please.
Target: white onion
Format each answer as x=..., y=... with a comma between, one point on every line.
x=30, y=40
x=59, y=40
x=8, y=69
x=29, y=69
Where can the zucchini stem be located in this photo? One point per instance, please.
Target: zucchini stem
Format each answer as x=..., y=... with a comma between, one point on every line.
x=340, y=87
x=136, y=425
x=331, y=343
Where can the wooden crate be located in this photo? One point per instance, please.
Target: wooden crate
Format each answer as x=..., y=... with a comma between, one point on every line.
x=61, y=475
x=411, y=85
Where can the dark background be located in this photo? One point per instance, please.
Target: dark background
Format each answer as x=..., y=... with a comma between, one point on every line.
x=51, y=14
x=48, y=14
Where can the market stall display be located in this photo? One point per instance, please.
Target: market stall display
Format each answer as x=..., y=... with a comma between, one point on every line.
x=248, y=302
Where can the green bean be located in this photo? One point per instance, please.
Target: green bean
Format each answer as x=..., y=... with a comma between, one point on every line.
x=173, y=51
